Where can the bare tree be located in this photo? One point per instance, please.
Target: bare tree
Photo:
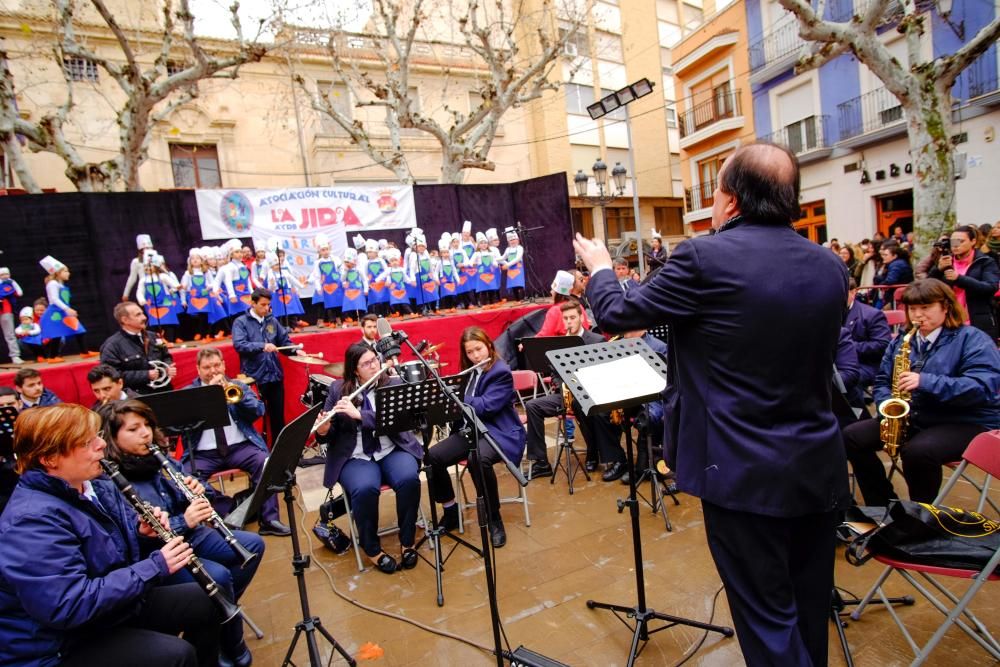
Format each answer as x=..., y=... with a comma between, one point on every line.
x=513, y=53
x=923, y=88
x=151, y=92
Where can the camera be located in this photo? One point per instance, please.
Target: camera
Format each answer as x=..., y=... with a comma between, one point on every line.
x=944, y=247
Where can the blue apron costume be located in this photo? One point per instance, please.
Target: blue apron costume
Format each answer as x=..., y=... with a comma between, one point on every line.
x=487, y=273
x=470, y=272
x=378, y=292
x=425, y=280
x=241, y=283
x=398, y=295
x=462, y=282
x=354, y=291
x=56, y=324
x=199, y=295
x=161, y=304
x=8, y=293
x=515, y=272
x=449, y=279
x=285, y=299
x=329, y=274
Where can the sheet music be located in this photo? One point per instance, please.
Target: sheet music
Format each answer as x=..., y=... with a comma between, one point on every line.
x=620, y=379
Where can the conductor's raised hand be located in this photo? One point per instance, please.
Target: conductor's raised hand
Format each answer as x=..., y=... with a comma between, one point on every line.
x=592, y=252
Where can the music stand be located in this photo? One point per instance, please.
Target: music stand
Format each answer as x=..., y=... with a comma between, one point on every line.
x=535, y=351
x=184, y=411
x=417, y=407
x=279, y=475
x=8, y=478
x=604, y=377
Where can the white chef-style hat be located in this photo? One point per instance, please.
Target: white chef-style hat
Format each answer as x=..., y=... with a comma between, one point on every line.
x=443, y=244
x=143, y=241
x=467, y=227
x=392, y=253
x=322, y=241
x=420, y=240
x=382, y=244
x=27, y=311
x=655, y=235
x=512, y=235
x=371, y=245
x=480, y=237
x=563, y=283
x=491, y=234
x=51, y=265
x=359, y=241
x=4, y=272
x=350, y=255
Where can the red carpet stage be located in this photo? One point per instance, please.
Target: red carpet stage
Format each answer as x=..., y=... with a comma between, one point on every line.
x=69, y=380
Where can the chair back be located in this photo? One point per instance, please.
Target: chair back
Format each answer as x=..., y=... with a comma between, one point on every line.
x=524, y=381
x=895, y=317
x=984, y=452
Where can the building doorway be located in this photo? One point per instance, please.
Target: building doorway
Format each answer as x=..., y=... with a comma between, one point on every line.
x=812, y=221
x=583, y=222
x=894, y=210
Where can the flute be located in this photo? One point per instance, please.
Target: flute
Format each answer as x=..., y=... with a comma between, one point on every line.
x=215, y=520
x=195, y=567
x=354, y=394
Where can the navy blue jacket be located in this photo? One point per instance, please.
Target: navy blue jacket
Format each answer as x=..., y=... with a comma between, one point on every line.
x=243, y=414
x=897, y=272
x=959, y=380
x=493, y=402
x=47, y=398
x=871, y=334
x=849, y=368
x=755, y=314
x=67, y=567
x=980, y=283
x=343, y=435
x=249, y=337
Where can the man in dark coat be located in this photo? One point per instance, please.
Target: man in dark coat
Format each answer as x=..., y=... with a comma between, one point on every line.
x=130, y=350
x=753, y=431
x=870, y=332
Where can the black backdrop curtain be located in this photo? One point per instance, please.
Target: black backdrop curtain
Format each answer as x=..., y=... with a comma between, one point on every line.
x=94, y=234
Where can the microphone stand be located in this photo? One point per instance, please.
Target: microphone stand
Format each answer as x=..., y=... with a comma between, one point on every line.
x=524, y=233
x=473, y=433
x=281, y=286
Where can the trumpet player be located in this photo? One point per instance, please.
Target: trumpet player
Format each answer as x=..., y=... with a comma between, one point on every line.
x=107, y=385
x=953, y=383
x=131, y=349
x=238, y=444
x=258, y=337
x=129, y=428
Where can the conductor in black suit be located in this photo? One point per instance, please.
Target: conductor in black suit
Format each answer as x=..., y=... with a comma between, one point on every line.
x=755, y=314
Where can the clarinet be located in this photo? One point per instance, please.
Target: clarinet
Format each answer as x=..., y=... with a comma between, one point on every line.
x=215, y=520
x=145, y=511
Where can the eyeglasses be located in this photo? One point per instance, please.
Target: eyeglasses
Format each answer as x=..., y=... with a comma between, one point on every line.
x=371, y=363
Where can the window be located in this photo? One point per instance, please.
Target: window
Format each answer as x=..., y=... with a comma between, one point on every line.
x=578, y=44
x=578, y=98
x=802, y=135
x=708, y=172
x=619, y=221
x=175, y=67
x=80, y=69
x=723, y=100
x=692, y=16
x=670, y=34
x=195, y=166
x=671, y=117
x=609, y=47
x=337, y=95
x=669, y=220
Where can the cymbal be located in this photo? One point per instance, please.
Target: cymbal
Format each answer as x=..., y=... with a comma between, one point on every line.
x=434, y=348
x=308, y=359
x=335, y=369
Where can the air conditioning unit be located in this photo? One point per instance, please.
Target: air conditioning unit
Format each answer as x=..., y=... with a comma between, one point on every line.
x=961, y=165
x=570, y=50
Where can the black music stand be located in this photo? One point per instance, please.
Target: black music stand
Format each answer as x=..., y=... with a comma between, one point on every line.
x=535, y=351
x=418, y=407
x=279, y=475
x=605, y=377
x=8, y=478
x=184, y=411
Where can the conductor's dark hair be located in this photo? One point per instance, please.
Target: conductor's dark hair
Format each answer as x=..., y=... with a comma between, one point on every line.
x=101, y=371
x=764, y=179
x=260, y=293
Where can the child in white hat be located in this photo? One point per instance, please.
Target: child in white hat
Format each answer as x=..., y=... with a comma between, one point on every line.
x=512, y=264
x=355, y=288
x=198, y=293
x=59, y=320
x=9, y=292
x=397, y=282
x=375, y=271
x=447, y=275
x=28, y=334
x=422, y=271
x=143, y=242
x=326, y=278
x=285, y=300
x=487, y=272
x=156, y=295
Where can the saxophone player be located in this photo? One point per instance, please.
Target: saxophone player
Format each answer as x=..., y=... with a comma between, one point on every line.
x=953, y=381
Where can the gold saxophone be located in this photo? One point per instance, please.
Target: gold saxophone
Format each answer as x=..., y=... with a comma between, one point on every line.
x=895, y=410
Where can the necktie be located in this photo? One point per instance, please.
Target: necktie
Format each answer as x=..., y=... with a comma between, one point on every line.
x=369, y=443
x=221, y=444
x=473, y=383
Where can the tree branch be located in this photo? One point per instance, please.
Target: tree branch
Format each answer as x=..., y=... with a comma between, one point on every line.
x=951, y=66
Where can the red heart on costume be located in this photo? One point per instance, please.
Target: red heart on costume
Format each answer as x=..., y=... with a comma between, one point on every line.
x=487, y=277
x=399, y=293
x=199, y=303
x=430, y=287
x=72, y=322
x=513, y=273
x=352, y=293
x=157, y=313
x=245, y=299
x=330, y=288
x=285, y=298
x=379, y=285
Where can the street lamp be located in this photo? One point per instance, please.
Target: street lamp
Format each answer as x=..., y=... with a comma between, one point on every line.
x=604, y=194
x=620, y=99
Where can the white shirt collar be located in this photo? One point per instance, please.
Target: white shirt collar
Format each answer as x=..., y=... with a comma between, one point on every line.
x=931, y=337
x=255, y=315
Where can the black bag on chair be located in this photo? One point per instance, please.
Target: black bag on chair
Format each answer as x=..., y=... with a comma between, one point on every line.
x=332, y=537
x=926, y=534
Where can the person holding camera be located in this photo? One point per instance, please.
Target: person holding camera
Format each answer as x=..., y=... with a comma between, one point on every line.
x=972, y=275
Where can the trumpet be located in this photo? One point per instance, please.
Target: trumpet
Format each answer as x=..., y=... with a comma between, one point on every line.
x=232, y=390
x=215, y=520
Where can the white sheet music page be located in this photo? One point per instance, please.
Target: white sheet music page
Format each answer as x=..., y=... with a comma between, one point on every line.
x=620, y=379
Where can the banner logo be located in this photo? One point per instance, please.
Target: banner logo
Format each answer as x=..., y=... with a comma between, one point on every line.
x=236, y=212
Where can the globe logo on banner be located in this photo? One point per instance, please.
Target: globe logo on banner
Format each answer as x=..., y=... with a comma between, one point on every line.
x=236, y=212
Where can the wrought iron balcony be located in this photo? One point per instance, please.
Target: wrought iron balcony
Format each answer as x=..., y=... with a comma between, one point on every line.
x=808, y=134
x=875, y=110
x=699, y=196
x=982, y=75
x=722, y=105
x=775, y=44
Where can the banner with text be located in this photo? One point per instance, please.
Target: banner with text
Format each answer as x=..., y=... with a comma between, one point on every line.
x=295, y=216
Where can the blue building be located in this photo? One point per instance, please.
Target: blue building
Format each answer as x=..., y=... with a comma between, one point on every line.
x=848, y=130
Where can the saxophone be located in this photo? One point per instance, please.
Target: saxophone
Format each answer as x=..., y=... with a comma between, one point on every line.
x=894, y=410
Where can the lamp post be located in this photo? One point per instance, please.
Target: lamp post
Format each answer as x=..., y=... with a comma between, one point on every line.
x=605, y=195
x=620, y=99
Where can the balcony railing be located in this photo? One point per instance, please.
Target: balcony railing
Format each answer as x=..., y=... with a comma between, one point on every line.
x=777, y=43
x=841, y=11
x=699, y=196
x=982, y=75
x=806, y=135
x=867, y=113
x=722, y=105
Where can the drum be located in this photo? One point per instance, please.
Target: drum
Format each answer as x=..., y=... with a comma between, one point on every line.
x=412, y=372
x=316, y=390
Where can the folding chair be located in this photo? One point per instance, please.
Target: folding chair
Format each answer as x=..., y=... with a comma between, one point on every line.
x=388, y=530
x=983, y=453
x=983, y=488
x=522, y=494
x=895, y=318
